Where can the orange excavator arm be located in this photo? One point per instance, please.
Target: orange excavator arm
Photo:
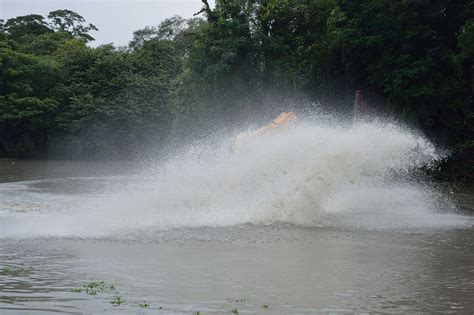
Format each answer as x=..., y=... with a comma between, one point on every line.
x=281, y=120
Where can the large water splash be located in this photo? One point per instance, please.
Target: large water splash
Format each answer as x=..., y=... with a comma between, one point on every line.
x=315, y=174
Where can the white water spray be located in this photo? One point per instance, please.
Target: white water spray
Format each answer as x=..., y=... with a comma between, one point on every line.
x=316, y=174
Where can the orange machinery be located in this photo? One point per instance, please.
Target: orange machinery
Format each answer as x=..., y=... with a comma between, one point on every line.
x=283, y=119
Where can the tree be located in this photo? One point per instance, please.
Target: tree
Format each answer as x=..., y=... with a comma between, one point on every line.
x=26, y=105
x=23, y=29
x=466, y=56
x=211, y=74
x=176, y=30
x=72, y=23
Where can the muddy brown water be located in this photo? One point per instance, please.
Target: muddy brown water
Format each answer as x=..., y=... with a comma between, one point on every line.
x=253, y=268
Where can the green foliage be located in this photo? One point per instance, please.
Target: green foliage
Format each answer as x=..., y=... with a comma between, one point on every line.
x=114, y=100
x=169, y=29
x=418, y=56
x=26, y=103
x=466, y=40
x=24, y=28
x=61, y=96
x=71, y=23
x=404, y=49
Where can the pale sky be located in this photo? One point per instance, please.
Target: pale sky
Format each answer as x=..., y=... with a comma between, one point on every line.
x=115, y=19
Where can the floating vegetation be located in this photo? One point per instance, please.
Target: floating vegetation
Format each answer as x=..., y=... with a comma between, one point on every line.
x=235, y=300
x=235, y=311
x=77, y=290
x=116, y=301
x=265, y=306
x=12, y=271
x=93, y=288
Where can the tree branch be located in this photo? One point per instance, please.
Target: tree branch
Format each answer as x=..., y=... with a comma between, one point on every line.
x=206, y=8
x=201, y=11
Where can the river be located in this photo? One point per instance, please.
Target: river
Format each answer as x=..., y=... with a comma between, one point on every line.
x=213, y=234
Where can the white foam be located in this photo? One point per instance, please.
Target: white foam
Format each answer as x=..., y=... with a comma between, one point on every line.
x=309, y=174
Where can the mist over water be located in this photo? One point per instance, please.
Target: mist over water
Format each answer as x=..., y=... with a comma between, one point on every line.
x=319, y=174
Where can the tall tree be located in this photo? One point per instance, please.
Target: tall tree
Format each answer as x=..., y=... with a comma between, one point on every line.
x=71, y=23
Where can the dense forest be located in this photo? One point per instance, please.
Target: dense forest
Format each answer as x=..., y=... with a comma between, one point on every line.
x=242, y=59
